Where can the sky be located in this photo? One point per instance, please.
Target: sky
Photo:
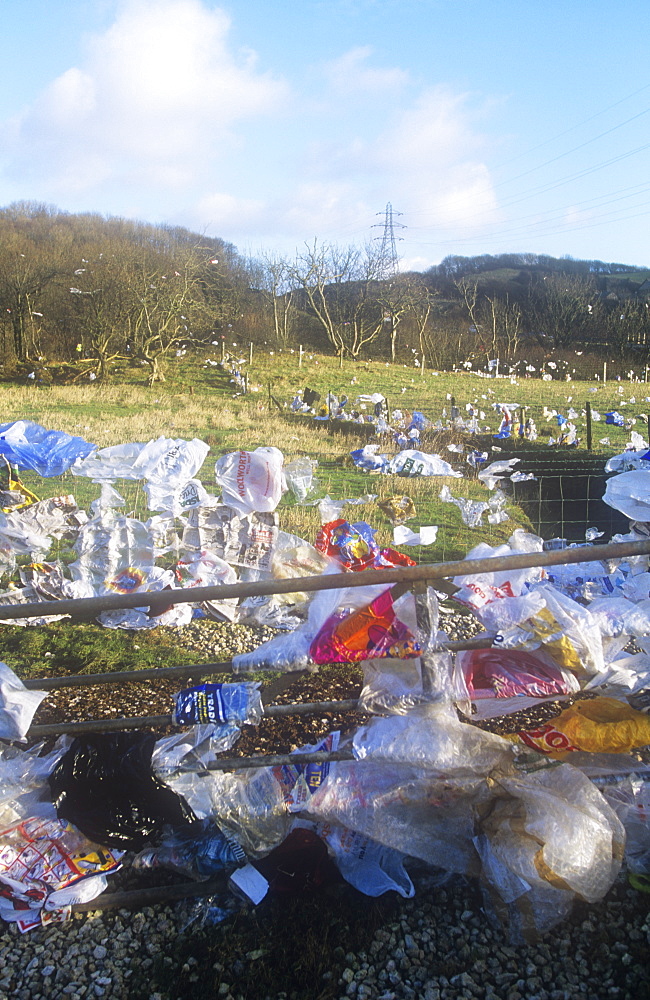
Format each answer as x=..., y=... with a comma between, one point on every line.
x=492, y=126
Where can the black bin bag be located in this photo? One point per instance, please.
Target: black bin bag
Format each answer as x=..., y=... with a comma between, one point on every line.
x=105, y=785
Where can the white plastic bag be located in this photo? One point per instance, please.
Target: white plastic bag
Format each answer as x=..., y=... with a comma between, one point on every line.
x=418, y=463
x=251, y=480
x=17, y=705
x=630, y=493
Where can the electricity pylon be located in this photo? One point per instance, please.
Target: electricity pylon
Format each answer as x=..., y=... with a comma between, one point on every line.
x=388, y=261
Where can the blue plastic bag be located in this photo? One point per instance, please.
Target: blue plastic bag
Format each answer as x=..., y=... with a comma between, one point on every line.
x=30, y=446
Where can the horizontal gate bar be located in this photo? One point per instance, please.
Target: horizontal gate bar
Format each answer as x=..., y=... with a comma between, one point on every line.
x=164, y=673
x=91, y=606
x=156, y=721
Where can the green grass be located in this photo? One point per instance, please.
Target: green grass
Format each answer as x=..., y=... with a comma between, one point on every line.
x=120, y=412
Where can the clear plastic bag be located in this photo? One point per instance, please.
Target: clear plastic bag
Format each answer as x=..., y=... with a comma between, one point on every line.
x=300, y=477
x=17, y=705
x=547, y=838
x=248, y=806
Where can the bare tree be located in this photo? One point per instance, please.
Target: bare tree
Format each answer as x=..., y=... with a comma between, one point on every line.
x=340, y=285
x=272, y=276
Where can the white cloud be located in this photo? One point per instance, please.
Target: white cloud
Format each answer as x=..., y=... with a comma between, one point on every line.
x=349, y=75
x=159, y=93
x=431, y=155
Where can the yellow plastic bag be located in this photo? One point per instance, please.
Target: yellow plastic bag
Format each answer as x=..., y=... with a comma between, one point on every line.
x=597, y=725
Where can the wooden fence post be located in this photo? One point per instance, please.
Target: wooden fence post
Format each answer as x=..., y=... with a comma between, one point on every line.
x=588, y=409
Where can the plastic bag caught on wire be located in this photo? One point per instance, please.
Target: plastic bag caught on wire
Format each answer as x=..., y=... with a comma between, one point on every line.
x=114, y=555
x=300, y=477
x=395, y=686
x=176, y=500
x=164, y=461
x=18, y=705
x=203, y=569
x=55, y=517
x=251, y=480
x=418, y=463
x=370, y=867
x=106, y=786
x=548, y=618
x=471, y=511
x=192, y=749
x=245, y=540
x=417, y=792
x=546, y=839
x=378, y=629
x=500, y=681
x=291, y=651
x=24, y=790
x=247, y=805
x=481, y=589
x=31, y=446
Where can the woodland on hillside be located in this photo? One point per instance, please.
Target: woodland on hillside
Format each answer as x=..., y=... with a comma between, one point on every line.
x=82, y=286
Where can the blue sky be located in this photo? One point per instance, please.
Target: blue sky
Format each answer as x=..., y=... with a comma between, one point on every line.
x=491, y=125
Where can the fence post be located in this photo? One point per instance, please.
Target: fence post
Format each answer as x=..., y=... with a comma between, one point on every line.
x=522, y=422
x=604, y=373
x=422, y=371
x=588, y=409
x=300, y=357
x=250, y=353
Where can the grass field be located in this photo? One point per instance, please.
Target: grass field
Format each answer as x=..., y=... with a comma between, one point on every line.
x=198, y=400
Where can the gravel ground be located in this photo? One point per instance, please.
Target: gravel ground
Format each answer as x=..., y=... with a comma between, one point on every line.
x=334, y=944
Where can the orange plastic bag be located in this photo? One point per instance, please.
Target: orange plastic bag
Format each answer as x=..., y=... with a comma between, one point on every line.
x=598, y=725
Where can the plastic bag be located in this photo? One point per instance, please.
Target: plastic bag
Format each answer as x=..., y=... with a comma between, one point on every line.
x=481, y=589
x=598, y=725
x=431, y=737
x=372, y=631
x=370, y=867
x=251, y=480
x=368, y=459
x=397, y=509
x=193, y=749
x=471, y=511
x=355, y=547
x=629, y=797
x=17, y=705
x=49, y=453
x=41, y=857
x=512, y=673
x=291, y=652
x=165, y=462
x=247, y=806
x=300, y=479
x=396, y=686
x=245, y=540
x=496, y=471
x=105, y=785
x=161, y=496
x=544, y=840
x=24, y=791
x=630, y=493
x=419, y=790
x=548, y=618
x=419, y=463
x=425, y=536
